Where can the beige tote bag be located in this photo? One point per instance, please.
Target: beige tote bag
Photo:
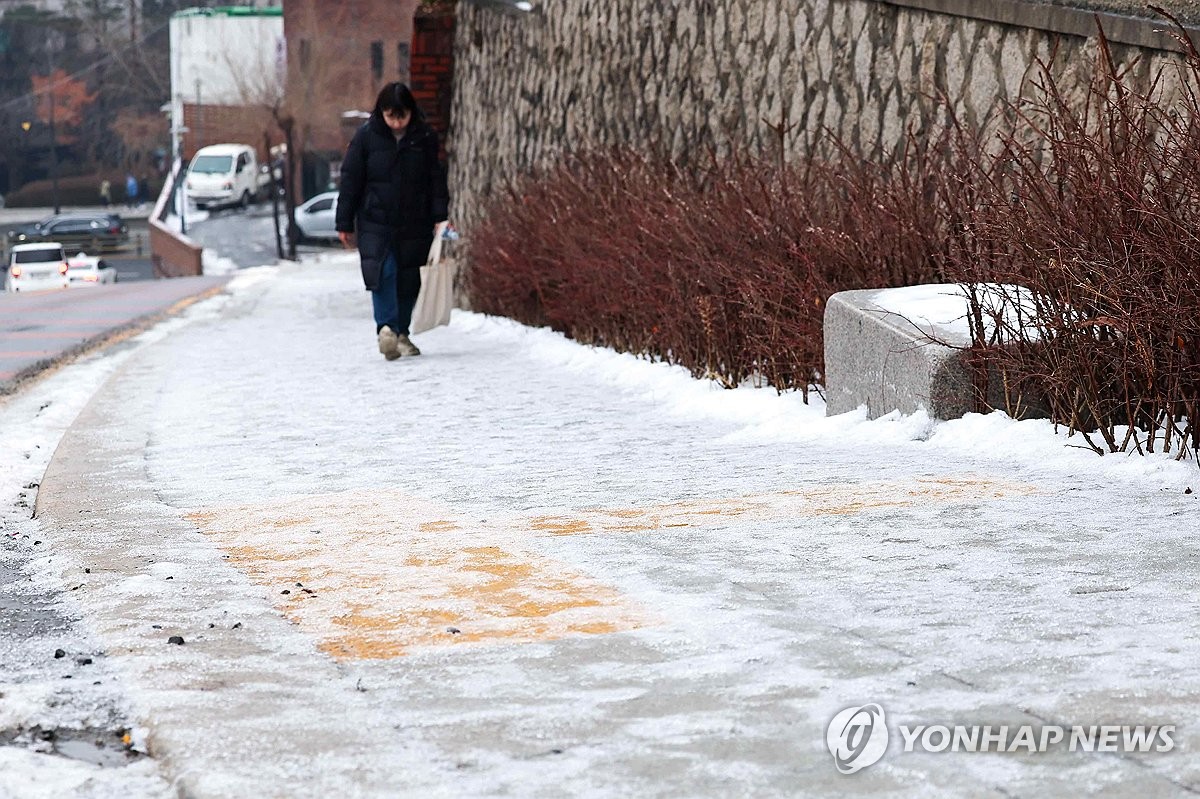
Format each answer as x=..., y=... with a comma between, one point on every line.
x=437, y=288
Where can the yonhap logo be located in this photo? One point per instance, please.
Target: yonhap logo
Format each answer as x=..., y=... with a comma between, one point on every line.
x=857, y=737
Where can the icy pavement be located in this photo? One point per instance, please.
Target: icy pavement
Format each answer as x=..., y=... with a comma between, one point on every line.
x=519, y=566
x=66, y=728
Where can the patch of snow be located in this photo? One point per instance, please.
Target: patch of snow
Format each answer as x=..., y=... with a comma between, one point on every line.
x=943, y=309
x=38, y=689
x=215, y=264
x=27, y=774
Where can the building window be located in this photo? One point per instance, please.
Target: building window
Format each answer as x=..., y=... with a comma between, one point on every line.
x=377, y=60
x=402, y=53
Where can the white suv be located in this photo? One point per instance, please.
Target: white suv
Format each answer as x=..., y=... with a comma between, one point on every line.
x=37, y=266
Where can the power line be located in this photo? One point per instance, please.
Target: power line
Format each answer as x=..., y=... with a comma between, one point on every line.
x=93, y=66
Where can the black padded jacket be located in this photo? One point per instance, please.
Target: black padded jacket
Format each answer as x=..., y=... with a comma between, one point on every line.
x=392, y=192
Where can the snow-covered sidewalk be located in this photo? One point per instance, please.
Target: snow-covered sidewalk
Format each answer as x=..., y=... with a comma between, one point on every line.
x=516, y=565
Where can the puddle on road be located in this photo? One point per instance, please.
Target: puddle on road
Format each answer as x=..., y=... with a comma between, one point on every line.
x=24, y=614
x=104, y=748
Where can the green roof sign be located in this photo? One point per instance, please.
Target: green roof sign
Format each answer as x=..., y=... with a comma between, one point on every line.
x=231, y=11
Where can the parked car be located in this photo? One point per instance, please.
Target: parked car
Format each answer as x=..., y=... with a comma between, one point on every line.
x=226, y=174
x=37, y=266
x=95, y=232
x=316, y=217
x=89, y=270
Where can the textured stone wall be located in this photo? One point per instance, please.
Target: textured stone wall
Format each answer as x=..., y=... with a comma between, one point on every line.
x=696, y=74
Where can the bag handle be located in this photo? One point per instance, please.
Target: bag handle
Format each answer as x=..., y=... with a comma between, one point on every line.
x=435, y=249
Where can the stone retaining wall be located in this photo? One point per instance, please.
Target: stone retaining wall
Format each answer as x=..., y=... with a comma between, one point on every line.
x=691, y=75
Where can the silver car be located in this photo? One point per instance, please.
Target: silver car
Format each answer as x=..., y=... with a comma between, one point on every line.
x=317, y=217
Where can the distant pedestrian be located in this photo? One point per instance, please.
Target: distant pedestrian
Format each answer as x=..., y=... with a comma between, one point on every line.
x=106, y=193
x=144, y=189
x=392, y=197
x=131, y=190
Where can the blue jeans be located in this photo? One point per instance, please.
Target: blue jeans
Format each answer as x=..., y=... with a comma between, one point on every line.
x=395, y=297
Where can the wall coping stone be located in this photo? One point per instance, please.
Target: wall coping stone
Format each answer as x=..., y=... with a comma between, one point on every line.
x=1146, y=32
x=887, y=362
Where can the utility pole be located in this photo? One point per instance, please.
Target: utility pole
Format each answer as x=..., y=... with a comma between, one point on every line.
x=53, y=156
x=53, y=135
x=274, y=195
x=181, y=192
x=199, y=137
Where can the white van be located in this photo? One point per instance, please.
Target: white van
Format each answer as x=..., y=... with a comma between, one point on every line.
x=37, y=266
x=225, y=174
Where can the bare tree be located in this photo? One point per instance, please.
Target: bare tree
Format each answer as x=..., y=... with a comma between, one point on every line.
x=314, y=95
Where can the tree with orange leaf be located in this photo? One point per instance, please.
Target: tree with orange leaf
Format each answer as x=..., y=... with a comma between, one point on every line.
x=140, y=133
x=63, y=100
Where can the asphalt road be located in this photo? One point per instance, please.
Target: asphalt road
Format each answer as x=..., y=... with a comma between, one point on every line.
x=39, y=328
x=247, y=237
x=43, y=326
x=132, y=262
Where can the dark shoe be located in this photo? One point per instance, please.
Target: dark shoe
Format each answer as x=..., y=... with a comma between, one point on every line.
x=405, y=346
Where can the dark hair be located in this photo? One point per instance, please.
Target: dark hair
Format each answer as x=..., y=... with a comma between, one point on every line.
x=397, y=97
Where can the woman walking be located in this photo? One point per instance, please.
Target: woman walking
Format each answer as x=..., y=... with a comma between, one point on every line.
x=393, y=195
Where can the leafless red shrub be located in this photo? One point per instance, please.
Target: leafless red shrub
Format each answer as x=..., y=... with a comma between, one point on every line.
x=724, y=269
x=1095, y=210
x=1088, y=219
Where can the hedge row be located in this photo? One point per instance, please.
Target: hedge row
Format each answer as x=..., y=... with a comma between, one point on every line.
x=75, y=190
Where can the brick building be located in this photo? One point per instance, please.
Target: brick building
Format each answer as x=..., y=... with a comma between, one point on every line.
x=223, y=60
x=339, y=55
x=433, y=65
x=329, y=60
